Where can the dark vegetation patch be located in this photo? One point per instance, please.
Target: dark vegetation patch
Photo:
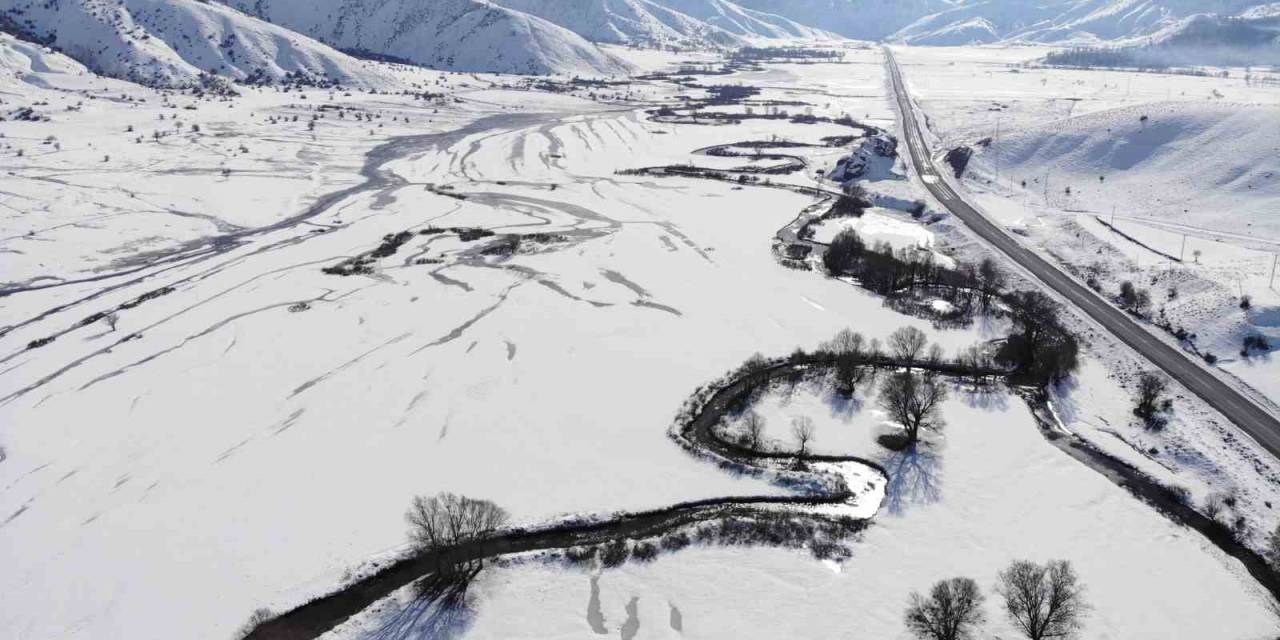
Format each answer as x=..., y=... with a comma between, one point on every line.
x=958, y=159
x=363, y=264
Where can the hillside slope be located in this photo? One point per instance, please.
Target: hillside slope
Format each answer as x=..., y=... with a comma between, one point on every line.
x=171, y=43
x=1218, y=162
x=637, y=22
x=951, y=22
x=741, y=21
x=683, y=23
x=1201, y=40
x=457, y=35
x=1060, y=21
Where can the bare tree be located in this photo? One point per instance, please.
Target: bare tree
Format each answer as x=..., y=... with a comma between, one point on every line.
x=849, y=372
x=977, y=359
x=936, y=355
x=802, y=430
x=906, y=344
x=990, y=279
x=754, y=423
x=446, y=520
x=846, y=342
x=1043, y=601
x=874, y=349
x=913, y=402
x=111, y=319
x=1151, y=403
x=952, y=611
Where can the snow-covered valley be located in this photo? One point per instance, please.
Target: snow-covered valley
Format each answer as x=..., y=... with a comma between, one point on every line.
x=242, y=332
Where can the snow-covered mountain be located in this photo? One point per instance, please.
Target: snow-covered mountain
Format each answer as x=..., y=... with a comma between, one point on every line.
x=949, y=22
x=638, y=22
x=171, y=43
x=1060, y=21
x=685, y=23
x=739, y=20
x=1201, y=40
x=857, y=19
x=177, y=42
x=459, y=35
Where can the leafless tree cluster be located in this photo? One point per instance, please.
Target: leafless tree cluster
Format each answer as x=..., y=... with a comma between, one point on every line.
x=913, y=401
x=1041, y=348
x=951, y=611
x=977, y=359
x=1044, y=602
x=850, y=350
x=446, y=520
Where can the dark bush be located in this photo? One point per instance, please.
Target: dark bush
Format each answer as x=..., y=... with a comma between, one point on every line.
x=675, y=541
x=1255, y=343
x=579, y=555
x=615, y=553
x=644, y=551
x=40, y=342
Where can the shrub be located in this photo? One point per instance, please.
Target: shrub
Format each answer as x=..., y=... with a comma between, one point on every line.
x=675, y=541
x=644, y=551
x=615, y=553
x=1152, y=405
x=579, y=555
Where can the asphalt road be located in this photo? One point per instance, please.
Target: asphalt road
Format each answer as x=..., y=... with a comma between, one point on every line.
x=1247, y=415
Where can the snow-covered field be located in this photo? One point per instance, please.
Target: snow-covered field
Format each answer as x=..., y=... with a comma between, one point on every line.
x=1201, y=169
x=994, y=492
x=251, y=428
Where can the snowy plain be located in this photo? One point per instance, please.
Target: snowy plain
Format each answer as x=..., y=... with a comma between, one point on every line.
x=254, y=432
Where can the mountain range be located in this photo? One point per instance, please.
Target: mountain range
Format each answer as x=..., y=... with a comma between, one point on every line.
x=179, y=42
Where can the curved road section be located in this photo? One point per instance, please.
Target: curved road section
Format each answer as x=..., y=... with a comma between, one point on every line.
x=1251, y=418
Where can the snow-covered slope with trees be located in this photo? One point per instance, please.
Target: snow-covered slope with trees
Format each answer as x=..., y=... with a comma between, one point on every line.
x=458, y=35
x=172, y=43
x=1201, y=40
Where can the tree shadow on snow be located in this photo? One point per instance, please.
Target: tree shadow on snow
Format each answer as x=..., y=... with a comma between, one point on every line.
x=1065, y=403
x=844, y=406
x=990, y=397
x=915, y=477
x=439, y=611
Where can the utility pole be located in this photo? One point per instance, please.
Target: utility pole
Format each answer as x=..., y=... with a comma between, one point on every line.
x=1182, y=254
x=997, y=149
x=1113, y=216
x=1273, y=271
